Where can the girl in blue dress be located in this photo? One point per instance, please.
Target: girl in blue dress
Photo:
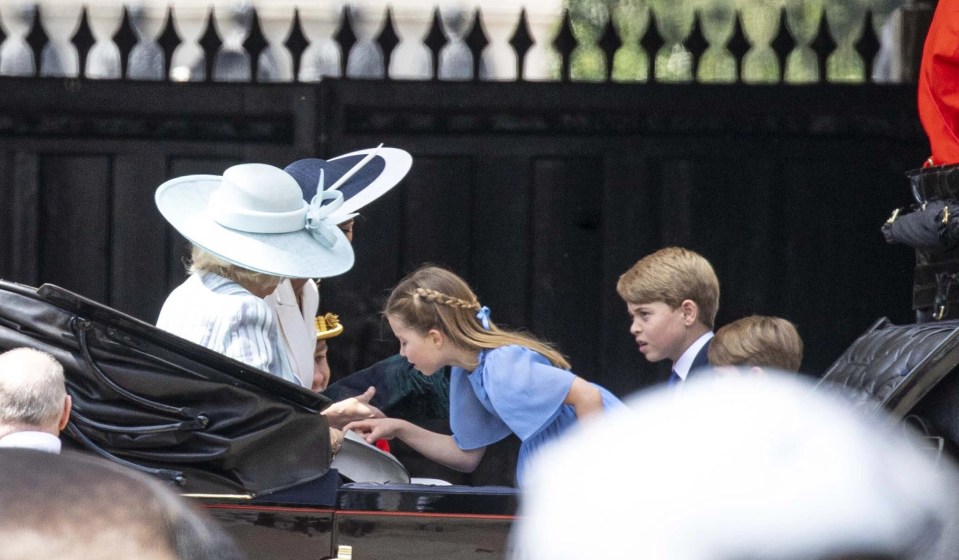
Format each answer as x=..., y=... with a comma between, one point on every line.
x=501, y=382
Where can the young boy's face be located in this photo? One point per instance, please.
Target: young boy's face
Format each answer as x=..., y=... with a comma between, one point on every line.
x=659, y=330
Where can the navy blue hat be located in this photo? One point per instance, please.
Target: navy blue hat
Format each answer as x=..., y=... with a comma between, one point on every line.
x=362, y=177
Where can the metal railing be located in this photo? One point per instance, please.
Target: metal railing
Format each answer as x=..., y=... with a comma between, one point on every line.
x=715, y=45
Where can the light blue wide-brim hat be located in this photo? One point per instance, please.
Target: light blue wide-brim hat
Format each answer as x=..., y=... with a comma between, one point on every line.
x=254, y=216
x=362, y=176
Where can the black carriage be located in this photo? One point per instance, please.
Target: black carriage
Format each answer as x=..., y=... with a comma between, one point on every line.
x=245, y=444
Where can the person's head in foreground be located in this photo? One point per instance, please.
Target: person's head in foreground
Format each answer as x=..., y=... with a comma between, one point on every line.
x=33, y=395
x=738, y=468
x=757, y=342
x=83, y=508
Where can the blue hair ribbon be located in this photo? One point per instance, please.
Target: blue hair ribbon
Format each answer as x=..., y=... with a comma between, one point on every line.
x=483, y=316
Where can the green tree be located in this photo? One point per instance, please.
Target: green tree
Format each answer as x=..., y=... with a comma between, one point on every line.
x=760, y=22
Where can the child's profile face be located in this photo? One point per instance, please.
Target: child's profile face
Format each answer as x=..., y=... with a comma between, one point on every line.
x=659, y=330
x=419, y=350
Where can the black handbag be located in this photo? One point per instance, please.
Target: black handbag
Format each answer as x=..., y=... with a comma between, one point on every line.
x=160, y=404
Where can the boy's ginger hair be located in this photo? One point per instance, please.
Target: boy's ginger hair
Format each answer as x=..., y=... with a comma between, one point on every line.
x=757, y=340
x=672, y=275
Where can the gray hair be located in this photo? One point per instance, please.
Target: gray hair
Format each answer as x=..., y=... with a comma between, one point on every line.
x=32, y=387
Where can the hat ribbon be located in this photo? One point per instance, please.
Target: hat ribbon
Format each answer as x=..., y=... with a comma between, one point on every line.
x=353, y=170
x=318, y=221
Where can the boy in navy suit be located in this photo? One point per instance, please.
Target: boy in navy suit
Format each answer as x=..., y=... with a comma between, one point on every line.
x=672, y=296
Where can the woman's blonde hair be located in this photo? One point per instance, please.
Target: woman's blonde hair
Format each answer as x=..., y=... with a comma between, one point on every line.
x=202, y=260
x=435, y=298
x=757, y=340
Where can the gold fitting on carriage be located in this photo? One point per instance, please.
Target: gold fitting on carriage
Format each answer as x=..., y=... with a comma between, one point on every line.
x=328, y=325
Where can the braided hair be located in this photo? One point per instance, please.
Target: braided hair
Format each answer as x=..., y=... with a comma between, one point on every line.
x=435, y=298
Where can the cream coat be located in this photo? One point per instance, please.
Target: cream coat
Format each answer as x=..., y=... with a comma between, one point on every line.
x=297, y=326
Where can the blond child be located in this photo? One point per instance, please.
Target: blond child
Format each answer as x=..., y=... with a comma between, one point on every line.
x=757, y=342
x=672, y=296
x=501, y=382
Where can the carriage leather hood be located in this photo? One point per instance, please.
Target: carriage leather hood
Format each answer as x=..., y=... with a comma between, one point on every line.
x=894, y=367
x=163, y=405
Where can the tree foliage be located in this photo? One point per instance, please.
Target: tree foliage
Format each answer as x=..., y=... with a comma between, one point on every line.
x=760, y=23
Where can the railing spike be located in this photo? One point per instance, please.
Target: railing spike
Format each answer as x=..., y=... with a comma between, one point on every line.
x=210, y=42
x=610, y=43
x=783, y=43
x=388, y=39
x=435, y=40
x=652, y=42
x=168, y=40
x=125, y=39
x=868, y=45
x=696, y=44
x=522, y=42
x=3, y=35
x=565, y=43
x=823, y=44
x=83, y=40
x=477, y=41
x=345, y=38
x=254, y=44
x=738, y=45
x=297, y=43
x=37, y=39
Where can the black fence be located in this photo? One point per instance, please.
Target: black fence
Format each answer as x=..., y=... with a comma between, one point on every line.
x=540, y=194
x=256, y=57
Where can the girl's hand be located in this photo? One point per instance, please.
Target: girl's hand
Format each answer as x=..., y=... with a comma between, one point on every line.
x=376, y=428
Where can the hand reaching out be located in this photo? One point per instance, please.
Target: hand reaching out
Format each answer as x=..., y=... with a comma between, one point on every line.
x=438, y=447
x=375, y=428
x=345, y=411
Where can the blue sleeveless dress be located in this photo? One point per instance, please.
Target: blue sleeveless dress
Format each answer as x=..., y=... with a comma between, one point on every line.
x=513, y=390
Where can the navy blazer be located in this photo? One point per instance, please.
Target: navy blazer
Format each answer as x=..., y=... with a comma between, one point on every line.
x=700, y=361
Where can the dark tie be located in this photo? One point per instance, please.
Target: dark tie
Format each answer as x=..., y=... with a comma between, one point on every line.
x=674, y=378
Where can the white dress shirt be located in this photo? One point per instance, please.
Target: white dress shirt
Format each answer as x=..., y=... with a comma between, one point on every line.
x=41, y=441
x=685, y=361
